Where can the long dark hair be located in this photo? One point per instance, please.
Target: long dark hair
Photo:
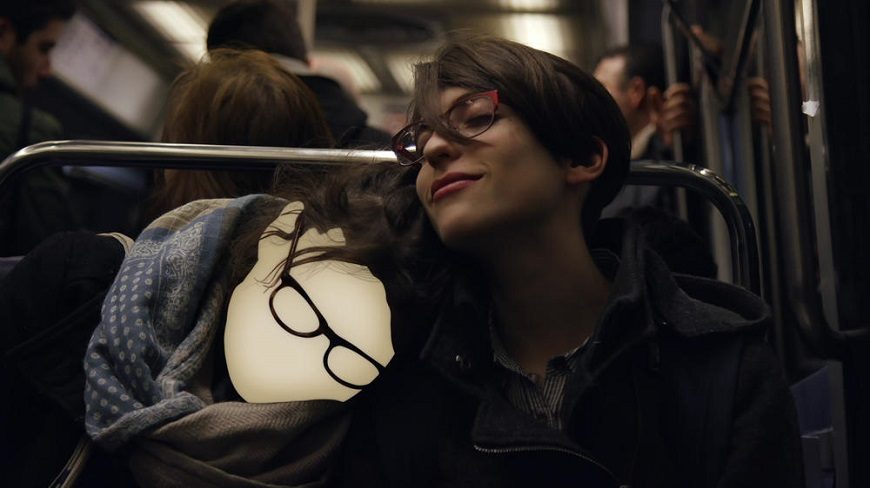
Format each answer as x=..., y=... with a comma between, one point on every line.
x=375, y=205
x=385, y=229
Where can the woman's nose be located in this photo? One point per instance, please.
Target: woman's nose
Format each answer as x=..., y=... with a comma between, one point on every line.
x=439, y=149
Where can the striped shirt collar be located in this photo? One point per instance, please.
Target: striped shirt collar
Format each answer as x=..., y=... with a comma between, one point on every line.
x=542, y=400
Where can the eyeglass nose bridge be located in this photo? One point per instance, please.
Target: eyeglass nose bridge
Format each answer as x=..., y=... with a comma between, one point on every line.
x=451, y=137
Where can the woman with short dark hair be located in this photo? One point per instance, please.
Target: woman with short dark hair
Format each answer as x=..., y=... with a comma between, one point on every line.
x=551, y=363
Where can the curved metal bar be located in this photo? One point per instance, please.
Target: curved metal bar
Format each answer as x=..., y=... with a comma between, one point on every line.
x=741, y=229
x=187, y=156
x=196, y=156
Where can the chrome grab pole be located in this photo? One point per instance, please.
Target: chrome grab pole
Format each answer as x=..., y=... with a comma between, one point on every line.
x=186, y=156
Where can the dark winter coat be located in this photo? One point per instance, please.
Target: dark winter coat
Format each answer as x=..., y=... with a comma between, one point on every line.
x=677, y=388
x=35, y=205
x=49, y=304
x=347, y=122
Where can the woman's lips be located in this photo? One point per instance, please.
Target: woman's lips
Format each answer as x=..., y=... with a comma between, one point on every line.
x=452, y=183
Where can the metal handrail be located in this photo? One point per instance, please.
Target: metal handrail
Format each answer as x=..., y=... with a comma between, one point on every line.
x=741, y=229
x=185, y=156
x=196, y=156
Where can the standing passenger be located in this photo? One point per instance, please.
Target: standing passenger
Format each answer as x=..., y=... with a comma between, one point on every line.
x=553, y=364
x=269, y=26
x=35, y=206
x=635, y=76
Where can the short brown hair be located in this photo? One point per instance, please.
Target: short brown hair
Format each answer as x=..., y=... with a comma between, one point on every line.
x=565, y=107
x=641, y=60
x=266, y=25
x=237, y=98
x=28, y=17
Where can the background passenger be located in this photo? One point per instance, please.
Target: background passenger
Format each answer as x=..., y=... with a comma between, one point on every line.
x=271, y=26
x=235, y=98
x=36, y=205
x=552, y=364
x=634, y=76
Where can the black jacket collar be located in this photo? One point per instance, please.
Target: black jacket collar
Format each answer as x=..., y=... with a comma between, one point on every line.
x=645, y=298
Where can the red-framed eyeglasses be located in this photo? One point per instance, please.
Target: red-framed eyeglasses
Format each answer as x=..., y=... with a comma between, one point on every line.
x=470, y=116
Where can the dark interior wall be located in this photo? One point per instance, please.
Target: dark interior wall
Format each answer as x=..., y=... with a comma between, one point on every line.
x=844, y=39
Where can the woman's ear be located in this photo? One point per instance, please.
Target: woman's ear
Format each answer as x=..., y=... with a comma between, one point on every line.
x=578, y=173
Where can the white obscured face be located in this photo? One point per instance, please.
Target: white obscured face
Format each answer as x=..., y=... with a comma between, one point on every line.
x=322, y=333
x=501, y=183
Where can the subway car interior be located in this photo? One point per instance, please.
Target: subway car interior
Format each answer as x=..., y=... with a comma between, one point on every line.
x=767, y=167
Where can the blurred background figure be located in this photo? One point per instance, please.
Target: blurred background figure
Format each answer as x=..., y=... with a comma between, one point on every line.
x=51, y=300
x=634, y=76
x=235, y=98
x=34, y=206
x=272, y=27
x=28, y=32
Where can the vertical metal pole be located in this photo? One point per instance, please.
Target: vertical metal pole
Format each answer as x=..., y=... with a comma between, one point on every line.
x=670, y=56
x=711, y=125
x=768, y=234
x=814, y=109
x=792, y=214
x=614, y=13
x=306, y=13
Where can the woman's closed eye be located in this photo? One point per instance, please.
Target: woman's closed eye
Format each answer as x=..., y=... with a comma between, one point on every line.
x=475, y=122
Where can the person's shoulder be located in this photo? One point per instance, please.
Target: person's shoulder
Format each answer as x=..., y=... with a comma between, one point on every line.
x=689, y=305
x=693, y=306
x=10, y=117
x=710, y=306
x=212, y=211
x=44, y=127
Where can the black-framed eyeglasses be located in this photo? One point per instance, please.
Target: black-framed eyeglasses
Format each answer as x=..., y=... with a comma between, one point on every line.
x=323, y=328
x=470, y=116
